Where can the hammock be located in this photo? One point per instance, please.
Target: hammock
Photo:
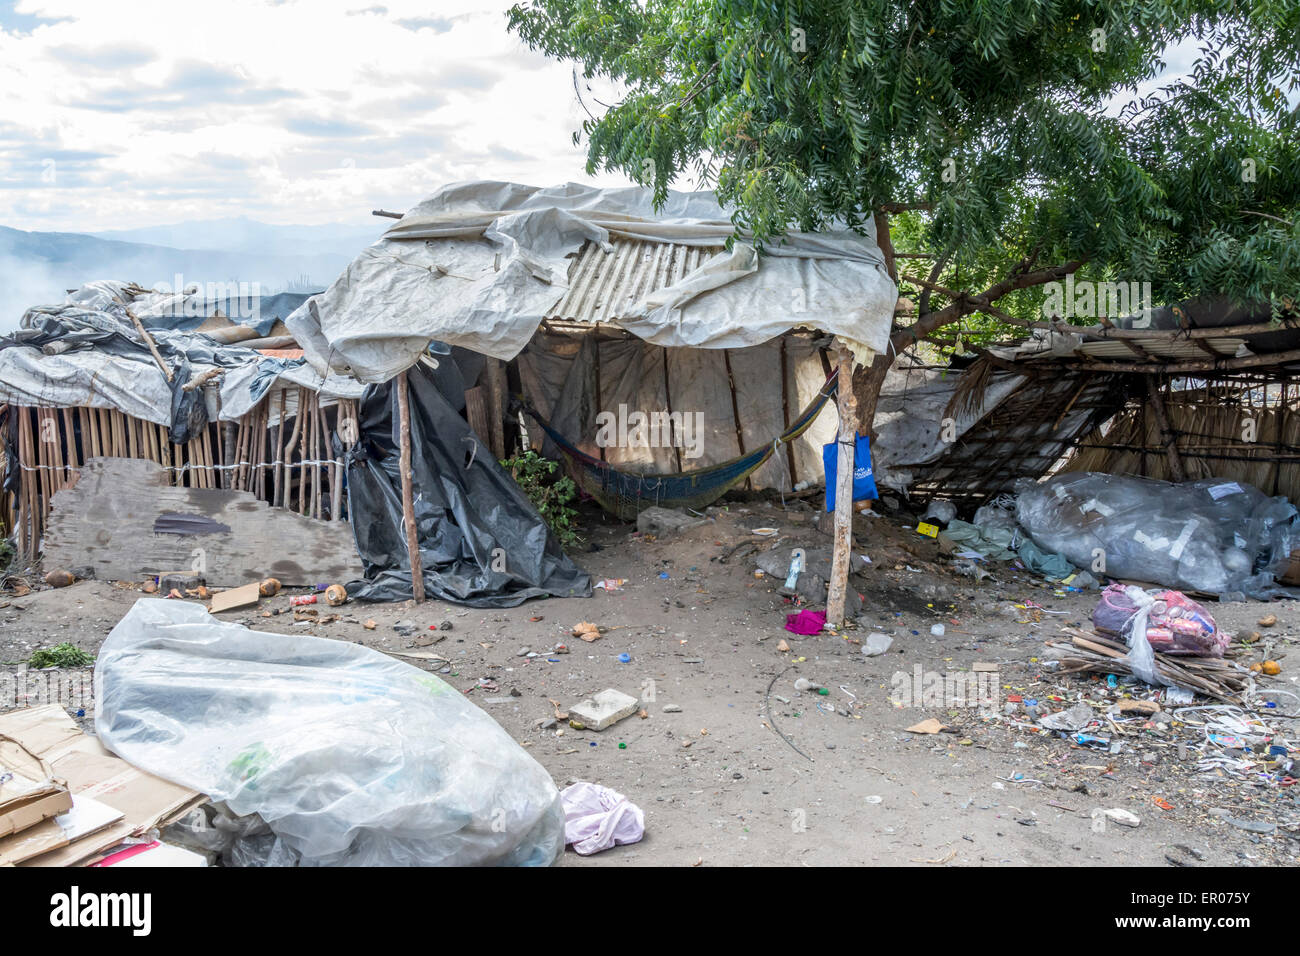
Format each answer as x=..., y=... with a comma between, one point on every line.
x=627, y=493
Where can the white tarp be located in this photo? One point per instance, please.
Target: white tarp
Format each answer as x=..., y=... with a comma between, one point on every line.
x=122, y=375
x=481, y=264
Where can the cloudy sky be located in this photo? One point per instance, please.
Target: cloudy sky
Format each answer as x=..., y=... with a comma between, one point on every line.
x=119, y=115
x=130, y=114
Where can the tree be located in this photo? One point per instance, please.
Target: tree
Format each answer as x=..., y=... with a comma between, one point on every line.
x=982, y=137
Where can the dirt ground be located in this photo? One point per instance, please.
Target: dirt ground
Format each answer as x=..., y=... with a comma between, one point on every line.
x=729, y=773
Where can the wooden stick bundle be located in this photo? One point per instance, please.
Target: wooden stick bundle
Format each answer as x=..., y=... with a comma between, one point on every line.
x=1218, y=677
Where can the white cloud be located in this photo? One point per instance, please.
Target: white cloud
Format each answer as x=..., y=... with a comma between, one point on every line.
x=300, y=111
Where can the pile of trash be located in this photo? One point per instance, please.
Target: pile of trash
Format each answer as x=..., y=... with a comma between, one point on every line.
x=347, y=756
x=1218, y=537
x=1211, y=536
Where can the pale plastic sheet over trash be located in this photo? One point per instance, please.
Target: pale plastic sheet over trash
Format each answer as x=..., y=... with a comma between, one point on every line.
x=351, y=757
x=481, y=264
x=1221, y=537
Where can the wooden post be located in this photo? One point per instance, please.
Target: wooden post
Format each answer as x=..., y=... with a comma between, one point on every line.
x=496, y=395
x=1176, y=470
x=408, y=493
x=842, y=536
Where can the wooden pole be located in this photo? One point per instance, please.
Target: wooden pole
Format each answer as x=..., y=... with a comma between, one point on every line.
x=408, y=493
x=1157, y=401
x=496, y=393
x=148, y=340
x=842, y=536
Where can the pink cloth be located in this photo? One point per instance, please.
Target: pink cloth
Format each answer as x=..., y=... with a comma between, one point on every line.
x=805, y=622
x=597, y=818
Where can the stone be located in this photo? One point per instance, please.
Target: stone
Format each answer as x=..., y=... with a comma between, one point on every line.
x=604, y=709
x=812, y=588
x=672, y=708
x=1122, y=817
x=665, y=521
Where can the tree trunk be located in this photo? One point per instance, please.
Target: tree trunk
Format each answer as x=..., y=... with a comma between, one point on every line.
x=867, y=382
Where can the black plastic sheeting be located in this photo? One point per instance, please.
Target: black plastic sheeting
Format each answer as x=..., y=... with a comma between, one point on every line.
x=482, y=543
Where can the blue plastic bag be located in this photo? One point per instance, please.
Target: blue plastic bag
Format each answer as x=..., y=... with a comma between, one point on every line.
x=864, y=482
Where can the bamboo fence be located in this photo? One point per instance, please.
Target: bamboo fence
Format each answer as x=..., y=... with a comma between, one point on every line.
x=278, y=451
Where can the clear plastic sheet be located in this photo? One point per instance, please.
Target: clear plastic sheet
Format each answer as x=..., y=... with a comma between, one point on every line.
x=351, y=757
x=1212, y=535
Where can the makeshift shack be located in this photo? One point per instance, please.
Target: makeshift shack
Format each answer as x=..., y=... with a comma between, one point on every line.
x=618, y=309
x=1200, y=390
x=149, y=432
x=665, y=365
x=122, y=372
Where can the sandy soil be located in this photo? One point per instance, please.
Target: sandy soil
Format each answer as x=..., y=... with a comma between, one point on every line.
x=720, y=786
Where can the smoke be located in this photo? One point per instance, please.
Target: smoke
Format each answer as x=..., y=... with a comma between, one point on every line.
x=23, y=284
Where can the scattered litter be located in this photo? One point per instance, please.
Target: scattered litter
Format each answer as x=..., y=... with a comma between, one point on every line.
x=805, y=622
x=1076, y=718
x=235, y=598
x=876, y=644
x=929, y=726
x=597, y=818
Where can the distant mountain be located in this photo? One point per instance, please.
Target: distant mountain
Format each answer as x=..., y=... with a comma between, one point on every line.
x=37, y=268
x=242, y=234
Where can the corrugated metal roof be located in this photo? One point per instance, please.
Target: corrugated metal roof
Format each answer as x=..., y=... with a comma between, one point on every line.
x=603, y=285
x=1159, y=346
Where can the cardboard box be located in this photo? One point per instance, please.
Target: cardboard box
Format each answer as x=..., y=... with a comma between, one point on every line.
x=29, y=792
x=143, y=800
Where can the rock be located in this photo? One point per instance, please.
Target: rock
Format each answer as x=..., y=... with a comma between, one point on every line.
x=181, y=581
x=604, y=709
x=1121, y=816
x=876, y=644
x=812, y=588
x=665, y=521
x=522, y=652
x=672, y=709
x=59, y=578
